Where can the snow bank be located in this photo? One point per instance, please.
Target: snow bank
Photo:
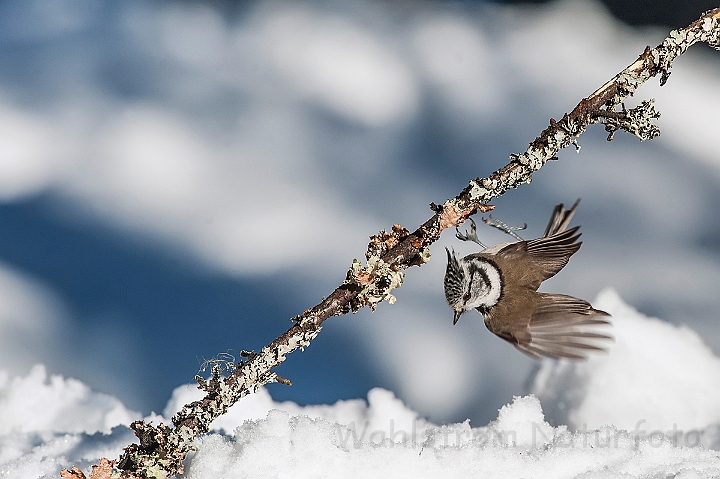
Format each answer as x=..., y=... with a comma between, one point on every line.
x=658, y=373
x=37, y=403
x=282, y=445
x=46, y=423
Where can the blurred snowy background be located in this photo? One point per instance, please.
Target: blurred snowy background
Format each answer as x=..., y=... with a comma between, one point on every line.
x=179, y=178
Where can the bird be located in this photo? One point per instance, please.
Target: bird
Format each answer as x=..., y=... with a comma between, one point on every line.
x=501, y=283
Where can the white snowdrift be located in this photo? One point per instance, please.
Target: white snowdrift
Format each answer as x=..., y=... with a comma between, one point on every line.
x=519, y=444
x=47, y=424
x=37, y=403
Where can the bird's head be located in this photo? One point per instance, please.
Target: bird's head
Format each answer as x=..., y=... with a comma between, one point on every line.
x=472, y=282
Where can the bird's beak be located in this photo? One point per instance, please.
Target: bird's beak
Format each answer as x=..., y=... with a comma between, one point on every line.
x=457, y=316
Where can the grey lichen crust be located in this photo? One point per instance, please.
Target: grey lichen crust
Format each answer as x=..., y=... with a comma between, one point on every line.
x=637, y=121
x=162, y=448
x=375, y=281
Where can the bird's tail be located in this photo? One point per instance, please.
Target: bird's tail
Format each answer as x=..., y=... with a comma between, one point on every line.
x=560, y=219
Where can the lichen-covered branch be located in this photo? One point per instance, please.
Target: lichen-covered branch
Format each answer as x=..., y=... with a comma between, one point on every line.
x=162, y=448
x=599, y=107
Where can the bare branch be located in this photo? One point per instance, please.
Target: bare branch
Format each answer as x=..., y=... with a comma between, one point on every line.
x=162, y=448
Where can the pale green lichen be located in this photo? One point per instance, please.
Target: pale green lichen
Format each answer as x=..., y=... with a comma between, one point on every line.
x=707, y=24
x=630, y=81
x=377, y=279
x=157, y=471
x=306, y=318
x=711, y=27
x=478, y=193
x=491, y=184
x=637, y=121
x=425, y=254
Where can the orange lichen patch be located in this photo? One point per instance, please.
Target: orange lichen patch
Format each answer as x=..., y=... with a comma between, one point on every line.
x=417, y=243
x=73, y=473
x=449, y=216
x=485, y=208
x=103, y=470
x=364, y=278
x=399, y=232
x=452, y=216
x=383, y=242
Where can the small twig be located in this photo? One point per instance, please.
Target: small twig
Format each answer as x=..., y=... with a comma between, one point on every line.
x=637, y=121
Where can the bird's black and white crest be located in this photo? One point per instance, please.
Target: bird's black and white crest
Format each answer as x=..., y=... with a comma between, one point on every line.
x=473, y=282
x=454, y=283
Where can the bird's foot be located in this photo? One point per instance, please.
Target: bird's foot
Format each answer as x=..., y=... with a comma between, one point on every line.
x=469, y=235
x=496, y=223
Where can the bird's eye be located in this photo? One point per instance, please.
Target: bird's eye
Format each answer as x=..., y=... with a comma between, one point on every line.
x=466, y=297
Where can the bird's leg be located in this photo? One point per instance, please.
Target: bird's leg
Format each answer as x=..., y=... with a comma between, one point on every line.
x=496, y=223
x=469, y=235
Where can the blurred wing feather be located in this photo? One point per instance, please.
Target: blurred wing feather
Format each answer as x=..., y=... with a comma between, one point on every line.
x=560, y=219
x=550, y=254
x=562, y=327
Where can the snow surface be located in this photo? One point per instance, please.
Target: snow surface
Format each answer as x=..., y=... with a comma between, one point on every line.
x=656, y=373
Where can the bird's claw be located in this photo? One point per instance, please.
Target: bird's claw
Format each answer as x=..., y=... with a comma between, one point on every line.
x=469, y=235
x=496, y=223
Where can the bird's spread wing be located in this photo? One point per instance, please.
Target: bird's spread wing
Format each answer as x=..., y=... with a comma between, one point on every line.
x=560, y=219
x=550, y=254
x=560, y=327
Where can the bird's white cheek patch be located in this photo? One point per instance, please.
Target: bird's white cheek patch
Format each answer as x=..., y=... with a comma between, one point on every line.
x=492, y=287
x=496, y=286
